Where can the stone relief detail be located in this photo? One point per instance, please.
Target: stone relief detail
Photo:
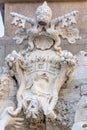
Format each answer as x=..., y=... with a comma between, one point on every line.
x=42, y=26
x=5, y=97
x=41, y=70
x=4, y=83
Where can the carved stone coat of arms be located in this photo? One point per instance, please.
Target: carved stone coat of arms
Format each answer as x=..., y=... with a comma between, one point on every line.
x=41, y=70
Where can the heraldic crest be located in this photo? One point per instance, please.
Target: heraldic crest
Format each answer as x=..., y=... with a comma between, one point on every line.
x=42, y=69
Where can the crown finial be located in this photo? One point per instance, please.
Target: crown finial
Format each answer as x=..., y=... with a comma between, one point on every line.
x=44, y=14
x=45, y=3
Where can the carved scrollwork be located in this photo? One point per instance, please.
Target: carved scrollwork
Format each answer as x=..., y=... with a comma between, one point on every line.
x=70, y=33
x=43, y=68
x=42, y=24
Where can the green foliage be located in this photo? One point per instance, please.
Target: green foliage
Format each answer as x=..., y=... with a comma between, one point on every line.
x=84, y=126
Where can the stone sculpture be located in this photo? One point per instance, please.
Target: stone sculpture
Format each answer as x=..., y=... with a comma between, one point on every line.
x=42, y=69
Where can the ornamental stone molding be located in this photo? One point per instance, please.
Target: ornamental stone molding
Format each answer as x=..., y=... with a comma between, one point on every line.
x=37, y=73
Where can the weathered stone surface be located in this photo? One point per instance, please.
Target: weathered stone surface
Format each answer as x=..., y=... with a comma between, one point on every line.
x=50, y=126
x=69, y=97
x=39, y=72
x=84, y=89
x=21, y=66
x=2, y=55
x=7, y=44
x=58, y=10
x=81, y=84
